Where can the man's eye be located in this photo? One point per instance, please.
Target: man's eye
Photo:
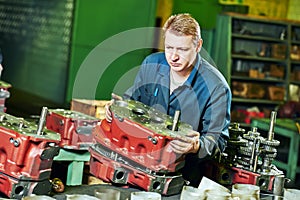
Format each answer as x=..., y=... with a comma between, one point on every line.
x=183, y=49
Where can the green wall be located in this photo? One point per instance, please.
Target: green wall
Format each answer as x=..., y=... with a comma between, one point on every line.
x=205, y=11
x=99, y=28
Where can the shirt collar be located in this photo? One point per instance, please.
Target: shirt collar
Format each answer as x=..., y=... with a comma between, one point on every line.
x=192, y=77
x=164, y=69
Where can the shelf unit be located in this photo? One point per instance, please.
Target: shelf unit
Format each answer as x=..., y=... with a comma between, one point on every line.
x=260, y=58
x=295, y=60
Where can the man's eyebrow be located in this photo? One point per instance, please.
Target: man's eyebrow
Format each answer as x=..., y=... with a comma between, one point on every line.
x=177, y=47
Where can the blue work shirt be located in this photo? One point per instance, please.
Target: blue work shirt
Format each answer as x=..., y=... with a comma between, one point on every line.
x=203, y=100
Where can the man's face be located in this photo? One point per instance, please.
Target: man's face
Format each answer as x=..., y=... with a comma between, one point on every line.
x=181, y=51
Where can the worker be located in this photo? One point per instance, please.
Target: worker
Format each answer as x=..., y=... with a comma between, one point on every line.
x=179, y=79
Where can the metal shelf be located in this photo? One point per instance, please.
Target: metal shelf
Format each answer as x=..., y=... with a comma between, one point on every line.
x=255, y=101
x=270, y=80
x=256, y=58
x=261, y=38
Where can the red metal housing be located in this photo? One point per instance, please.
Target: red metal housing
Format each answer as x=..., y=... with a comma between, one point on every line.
x=141, y=134
x=138, y=144
x=74, y=127
x=111, y=167
x=271, y=182
x=25, y=157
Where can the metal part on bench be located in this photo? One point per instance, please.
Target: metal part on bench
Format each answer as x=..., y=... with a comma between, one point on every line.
x=135, y=148
x=25, y=157
x=248, y=159
x=147, y=116
x=112, y=167
x=142, y=134
x=74, y=127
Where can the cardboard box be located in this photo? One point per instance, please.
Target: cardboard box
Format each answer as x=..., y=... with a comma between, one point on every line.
x=95, y=108
x=277, y=71
x=276, y=93
x=279, y=51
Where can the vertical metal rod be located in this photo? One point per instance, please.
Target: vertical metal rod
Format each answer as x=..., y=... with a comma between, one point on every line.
x=256, y=156
x=253, y=154
x=175, y=120
x=272, y=123
x=42, y=121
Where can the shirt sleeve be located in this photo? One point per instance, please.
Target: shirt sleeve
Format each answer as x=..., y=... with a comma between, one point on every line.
x=134, y=92
x=216, y=121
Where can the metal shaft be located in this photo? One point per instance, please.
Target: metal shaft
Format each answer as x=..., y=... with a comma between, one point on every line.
x=272, y=123
x=42, y=121
x=175, y=120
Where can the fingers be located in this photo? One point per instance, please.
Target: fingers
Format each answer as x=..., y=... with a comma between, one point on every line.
x=180, y=147
x=186, y=144
x=108, y=115
x=116, y=97
x=193, y=134
x=189, y=137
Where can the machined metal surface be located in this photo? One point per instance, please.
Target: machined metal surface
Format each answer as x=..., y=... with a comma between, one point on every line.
x=9, y=123
x=148, y=117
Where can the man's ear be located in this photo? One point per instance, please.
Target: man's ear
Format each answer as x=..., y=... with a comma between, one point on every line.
x=199, y=45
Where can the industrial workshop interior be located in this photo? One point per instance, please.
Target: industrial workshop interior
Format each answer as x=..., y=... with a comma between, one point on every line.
x=67, y=64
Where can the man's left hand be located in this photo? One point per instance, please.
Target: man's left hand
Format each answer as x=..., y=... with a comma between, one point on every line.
x=186, y=144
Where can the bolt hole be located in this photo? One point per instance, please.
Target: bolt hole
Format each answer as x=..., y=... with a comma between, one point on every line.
x=156, y=185
x=120, y=175
x=19, y=190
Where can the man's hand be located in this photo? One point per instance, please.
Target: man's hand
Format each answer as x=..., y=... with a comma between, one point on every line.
x=114, y=97
x=186, y=144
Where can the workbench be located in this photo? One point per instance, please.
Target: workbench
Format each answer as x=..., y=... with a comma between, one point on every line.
x=125, y=192
x=285, y=130
x=76, y=160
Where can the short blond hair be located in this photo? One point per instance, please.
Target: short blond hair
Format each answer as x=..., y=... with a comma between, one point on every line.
x=183, y=24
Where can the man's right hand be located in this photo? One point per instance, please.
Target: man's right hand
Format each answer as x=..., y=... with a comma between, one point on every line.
x=108, y=115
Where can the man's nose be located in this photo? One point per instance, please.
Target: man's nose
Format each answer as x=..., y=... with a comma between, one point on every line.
x=174, y=56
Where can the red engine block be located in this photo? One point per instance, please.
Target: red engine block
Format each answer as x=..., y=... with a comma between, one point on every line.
x=272, y=182
x=135, y=148
x=141, y=134
x=112, y=167
x=75, y=128
x=25, y=157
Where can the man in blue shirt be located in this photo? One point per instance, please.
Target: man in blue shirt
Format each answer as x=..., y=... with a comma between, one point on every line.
x=180, y=79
